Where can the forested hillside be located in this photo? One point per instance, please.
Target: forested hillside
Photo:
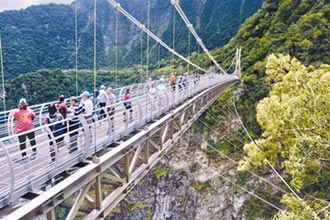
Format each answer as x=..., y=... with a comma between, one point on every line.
x=299, y=28
x=43, y=37
x=285, y=60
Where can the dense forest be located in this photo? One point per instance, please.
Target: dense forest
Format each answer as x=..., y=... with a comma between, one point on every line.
x=43, y=36
x=299, y=28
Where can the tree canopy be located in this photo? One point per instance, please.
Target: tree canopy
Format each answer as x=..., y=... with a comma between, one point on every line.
x=295, y=118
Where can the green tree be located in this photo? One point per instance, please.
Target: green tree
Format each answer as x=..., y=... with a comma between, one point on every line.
x=296, y=133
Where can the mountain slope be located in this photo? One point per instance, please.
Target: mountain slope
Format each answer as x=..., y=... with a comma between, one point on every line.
x=299, y=28
x=44, y=36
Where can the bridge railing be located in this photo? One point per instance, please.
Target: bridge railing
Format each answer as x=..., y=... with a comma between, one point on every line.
x=54, y=157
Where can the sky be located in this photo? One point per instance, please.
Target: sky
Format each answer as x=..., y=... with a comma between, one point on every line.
x=19, y=4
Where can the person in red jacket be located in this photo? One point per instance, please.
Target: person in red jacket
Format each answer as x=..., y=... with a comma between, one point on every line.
x=24, y=122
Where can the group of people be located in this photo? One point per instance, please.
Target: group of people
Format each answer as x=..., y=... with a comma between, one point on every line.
x=62, y=119
x=57, y=113
x=106, y=104
x=182, y=81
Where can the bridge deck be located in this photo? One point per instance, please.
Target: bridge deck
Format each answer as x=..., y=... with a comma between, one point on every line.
x=20, y=177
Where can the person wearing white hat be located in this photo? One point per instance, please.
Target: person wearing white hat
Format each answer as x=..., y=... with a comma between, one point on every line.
x=88, y=106
x=24, y=122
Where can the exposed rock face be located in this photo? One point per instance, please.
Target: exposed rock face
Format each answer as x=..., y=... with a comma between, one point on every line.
x=185, y=185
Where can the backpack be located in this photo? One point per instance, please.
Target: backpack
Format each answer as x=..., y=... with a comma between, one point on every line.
x=55, y=125
x=128, y=103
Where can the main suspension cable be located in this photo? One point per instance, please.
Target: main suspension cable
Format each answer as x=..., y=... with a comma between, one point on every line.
x=147, y=31
x=175, y=3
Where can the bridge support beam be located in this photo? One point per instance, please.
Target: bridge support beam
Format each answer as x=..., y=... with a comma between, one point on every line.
x=98, y=193
x=51, y=215
x=79, y=200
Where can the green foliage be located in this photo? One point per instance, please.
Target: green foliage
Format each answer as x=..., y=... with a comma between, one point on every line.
x=139, y=205
x=202, y=186
x=254, y=208
x=294, y=119
x=160, y=171
x=303, y=209
x=43, y=37
x=299, y=28
x=243, y=176
x=114, y=211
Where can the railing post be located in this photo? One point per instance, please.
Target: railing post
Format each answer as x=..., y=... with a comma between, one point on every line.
x=40, y=113
x=55, y=148
x=11, y=123
x=87, y=134
x=12, y=173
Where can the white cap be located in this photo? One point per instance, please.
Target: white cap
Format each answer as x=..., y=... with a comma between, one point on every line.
x=22, y=101
x=102, y=87
x=85, y=93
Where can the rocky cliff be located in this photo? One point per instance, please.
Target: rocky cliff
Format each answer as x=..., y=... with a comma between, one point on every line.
x=189, y=184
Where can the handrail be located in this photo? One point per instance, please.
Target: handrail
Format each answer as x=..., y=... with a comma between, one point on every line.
x=41, y=167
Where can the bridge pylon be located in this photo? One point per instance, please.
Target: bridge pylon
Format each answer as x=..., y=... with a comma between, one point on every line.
x=237, y=71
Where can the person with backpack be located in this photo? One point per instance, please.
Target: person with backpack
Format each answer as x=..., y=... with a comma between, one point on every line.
x=24, y=122
x=63, y=110
x=74, y=123
x=55, y=123
x=128, y=105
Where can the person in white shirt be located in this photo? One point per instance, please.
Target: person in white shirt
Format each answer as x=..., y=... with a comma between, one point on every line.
x=88, y=106
x=102, y=101
x=161, y=91
x=111, y=106
x=111, y=101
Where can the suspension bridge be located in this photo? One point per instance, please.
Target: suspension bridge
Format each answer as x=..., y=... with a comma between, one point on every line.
x=113, y=154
